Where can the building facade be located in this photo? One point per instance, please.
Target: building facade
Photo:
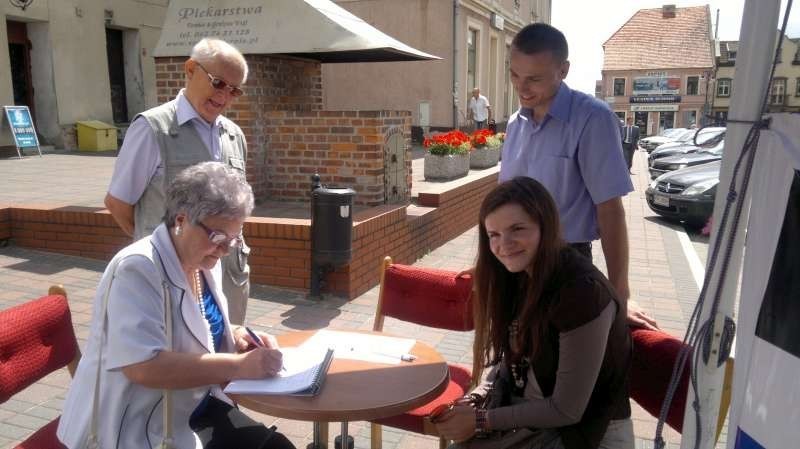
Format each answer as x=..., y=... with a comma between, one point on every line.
x=658, y=68
x=72, y=61
x=472, y=37
x=784, y=93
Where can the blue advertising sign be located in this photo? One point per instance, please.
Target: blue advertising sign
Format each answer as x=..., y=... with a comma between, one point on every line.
x=19, y=118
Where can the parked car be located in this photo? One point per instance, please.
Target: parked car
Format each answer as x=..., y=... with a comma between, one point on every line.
x=679, y=161
x=708, y=137
x=668, y=135
x=686, y=195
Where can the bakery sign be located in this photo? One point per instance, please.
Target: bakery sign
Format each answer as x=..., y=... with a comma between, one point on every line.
x=656, y=99
x=656, y=85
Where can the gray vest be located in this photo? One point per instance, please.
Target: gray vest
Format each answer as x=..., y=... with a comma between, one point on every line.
x=180, y=147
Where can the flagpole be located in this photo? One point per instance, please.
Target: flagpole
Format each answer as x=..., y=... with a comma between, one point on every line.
x=754, y=61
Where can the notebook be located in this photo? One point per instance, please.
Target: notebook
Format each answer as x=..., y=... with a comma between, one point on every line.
x=303, y=374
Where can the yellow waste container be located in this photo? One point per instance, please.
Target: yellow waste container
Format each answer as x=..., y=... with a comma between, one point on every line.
x=94, y=135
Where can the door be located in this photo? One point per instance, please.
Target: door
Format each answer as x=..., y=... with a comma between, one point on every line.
x=116, y=75
x=395, y=183
x=19, y=52
x=666, y=120
x=640, y=119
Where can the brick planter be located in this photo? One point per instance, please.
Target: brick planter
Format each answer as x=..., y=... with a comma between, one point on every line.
x=484, y=157
x=446, y=167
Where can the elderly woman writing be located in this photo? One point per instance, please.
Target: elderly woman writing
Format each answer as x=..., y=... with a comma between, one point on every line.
x=552, y=331
x=160, y=338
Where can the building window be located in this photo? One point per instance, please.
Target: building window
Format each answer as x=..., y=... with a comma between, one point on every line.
x=692, y=84
x=720, y=117
x=797, y=88
x=472, y=59
x=732, y=56
x=777, y=94
x=620, y=115
x=724, y=87
x=619, y=87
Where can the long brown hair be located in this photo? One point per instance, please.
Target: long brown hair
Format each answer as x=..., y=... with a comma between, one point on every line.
x=498, y=289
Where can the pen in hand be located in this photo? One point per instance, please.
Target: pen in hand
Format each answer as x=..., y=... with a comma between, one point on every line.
x=257, y=341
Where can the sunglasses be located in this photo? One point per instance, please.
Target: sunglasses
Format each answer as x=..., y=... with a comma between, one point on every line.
x=220, y=84
x=220, y=238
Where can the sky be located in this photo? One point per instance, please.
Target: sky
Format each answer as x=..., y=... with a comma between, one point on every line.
x=587, y=24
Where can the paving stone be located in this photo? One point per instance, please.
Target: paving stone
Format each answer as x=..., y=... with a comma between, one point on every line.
x=660, y=282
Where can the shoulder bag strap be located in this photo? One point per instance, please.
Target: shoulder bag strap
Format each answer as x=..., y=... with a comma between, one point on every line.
x=91, y=441
x=167, y=442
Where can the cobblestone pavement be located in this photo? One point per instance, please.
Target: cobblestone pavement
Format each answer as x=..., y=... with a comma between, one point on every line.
x=659, y=277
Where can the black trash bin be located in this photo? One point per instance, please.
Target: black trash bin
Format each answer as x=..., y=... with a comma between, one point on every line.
x=331, y=231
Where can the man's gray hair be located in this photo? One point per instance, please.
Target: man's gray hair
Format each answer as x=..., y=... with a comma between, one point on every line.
x=209, y=49
x=208, y=189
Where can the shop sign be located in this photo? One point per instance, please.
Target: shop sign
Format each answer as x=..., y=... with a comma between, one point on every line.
x=656, y=99
x=656, y=85
x=21, y=123
x=653, y=107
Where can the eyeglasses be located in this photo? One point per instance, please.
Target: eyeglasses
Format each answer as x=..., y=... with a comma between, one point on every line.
x=220, y=238
x=220, y=84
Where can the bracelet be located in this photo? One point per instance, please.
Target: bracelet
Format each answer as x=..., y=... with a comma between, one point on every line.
x=481, y=420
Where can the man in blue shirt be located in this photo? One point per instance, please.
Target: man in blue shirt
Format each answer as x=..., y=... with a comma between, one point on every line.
x=569, y=142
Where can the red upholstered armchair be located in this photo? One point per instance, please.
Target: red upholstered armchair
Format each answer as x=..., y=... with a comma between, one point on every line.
x=36, y=338
x=433, y=298
x=654, y=355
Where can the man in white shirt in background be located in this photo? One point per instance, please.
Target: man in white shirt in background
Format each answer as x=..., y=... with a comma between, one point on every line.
x=479, y=109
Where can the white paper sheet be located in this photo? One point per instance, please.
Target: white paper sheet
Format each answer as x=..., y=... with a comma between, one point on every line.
x=358, y=346
x=300, y=370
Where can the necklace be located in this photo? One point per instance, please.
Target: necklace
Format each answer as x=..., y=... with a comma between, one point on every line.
x=519, y=370
x=198, y=293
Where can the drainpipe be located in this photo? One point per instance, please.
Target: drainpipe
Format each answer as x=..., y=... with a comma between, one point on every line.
x=455, y=63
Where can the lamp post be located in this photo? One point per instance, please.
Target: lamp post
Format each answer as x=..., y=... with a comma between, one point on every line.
x=706, y=109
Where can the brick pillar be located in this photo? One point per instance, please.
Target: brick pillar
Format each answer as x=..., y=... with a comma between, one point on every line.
x=273, y=84
x=290, y=137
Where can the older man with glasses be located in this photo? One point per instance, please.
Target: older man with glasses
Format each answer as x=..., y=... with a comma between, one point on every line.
x=190, y=129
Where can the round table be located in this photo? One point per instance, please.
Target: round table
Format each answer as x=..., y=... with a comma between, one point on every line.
x=357, y=390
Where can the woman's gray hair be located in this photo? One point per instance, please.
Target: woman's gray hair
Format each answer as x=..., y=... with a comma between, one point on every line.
x=209, y=49
x=208, y=189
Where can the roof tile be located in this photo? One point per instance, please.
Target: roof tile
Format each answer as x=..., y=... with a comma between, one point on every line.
x=649, y=41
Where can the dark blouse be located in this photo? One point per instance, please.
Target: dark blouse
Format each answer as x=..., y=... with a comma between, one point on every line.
x=586, y=351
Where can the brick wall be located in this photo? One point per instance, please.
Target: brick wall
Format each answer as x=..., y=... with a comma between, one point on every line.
x=280, y=248
x=346, y=148
x=73, y=230
x=290, y=137
x=273, y=84
x=408, y=236
x=280, y=251
x=5, y=224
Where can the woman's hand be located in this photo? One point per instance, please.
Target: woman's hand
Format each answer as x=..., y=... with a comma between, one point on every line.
x=458, y=424
x=259, y=363
x=244, y=342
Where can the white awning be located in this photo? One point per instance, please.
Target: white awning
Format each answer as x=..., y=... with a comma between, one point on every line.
x=314, y=29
